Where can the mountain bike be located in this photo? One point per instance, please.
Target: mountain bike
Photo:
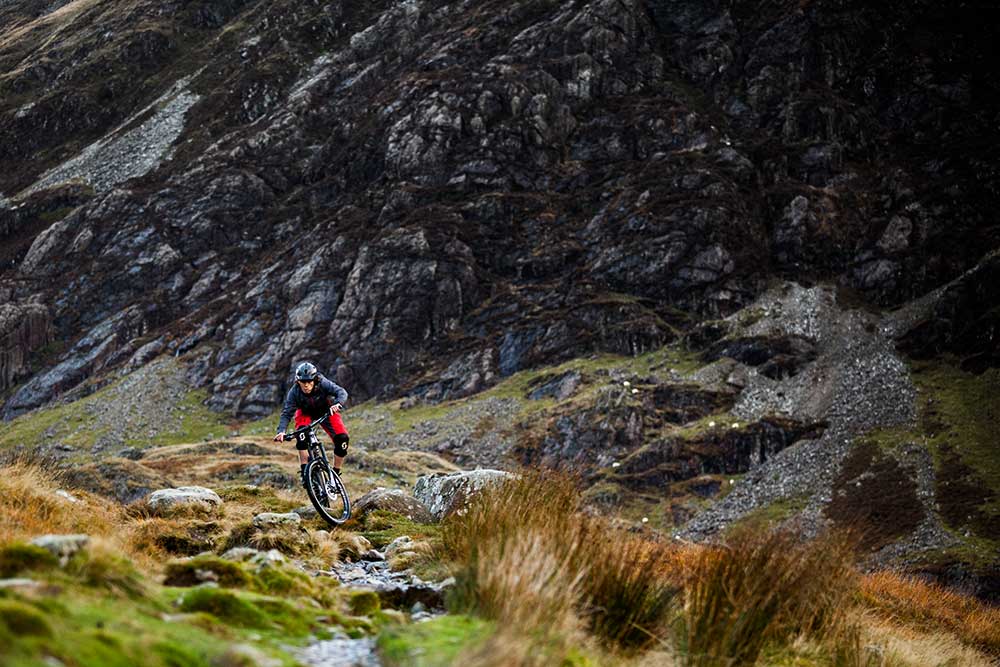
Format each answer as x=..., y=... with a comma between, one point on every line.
x=325, y=489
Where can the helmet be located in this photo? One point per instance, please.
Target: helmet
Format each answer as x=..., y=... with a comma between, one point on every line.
x=305, y=371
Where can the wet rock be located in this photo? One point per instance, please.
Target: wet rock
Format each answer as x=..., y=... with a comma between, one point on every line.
x=446, y=493
x=392, y=500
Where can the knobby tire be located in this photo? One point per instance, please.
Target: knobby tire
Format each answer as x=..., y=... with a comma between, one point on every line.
x=337, y=506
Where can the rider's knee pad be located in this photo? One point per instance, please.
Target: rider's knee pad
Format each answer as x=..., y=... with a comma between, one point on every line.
x=340, y=442
x=302, y=441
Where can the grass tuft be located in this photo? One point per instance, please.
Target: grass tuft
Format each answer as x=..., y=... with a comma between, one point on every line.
x=527, y=559
x=910, y=601
x=762, y=587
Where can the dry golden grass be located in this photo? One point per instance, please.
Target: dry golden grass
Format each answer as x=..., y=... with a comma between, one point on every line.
x=907, y=600
x=30, y=507
x=911, y=647
x=526, y=555
x=762, y=587
x=529, y=582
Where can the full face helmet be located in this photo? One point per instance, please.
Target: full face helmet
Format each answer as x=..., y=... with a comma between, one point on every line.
x=306, y=372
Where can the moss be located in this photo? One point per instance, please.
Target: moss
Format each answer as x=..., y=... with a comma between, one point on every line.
x=23, y=619
x=771, y=514
x=175, y=654
x=227, y=573
x=433, y=643
x=364, y=603
x=18, y=557
x=285, y=615
x=224, y=605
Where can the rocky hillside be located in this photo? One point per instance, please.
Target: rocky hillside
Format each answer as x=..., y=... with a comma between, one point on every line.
x=775, y=223
x=428, y=196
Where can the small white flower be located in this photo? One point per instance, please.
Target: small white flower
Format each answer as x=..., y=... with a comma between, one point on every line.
x=635, y=391
x=645, y=519
x=736, y=424
x=732, y=481
x=627, y=383
x=615, y=464
x=711, y=424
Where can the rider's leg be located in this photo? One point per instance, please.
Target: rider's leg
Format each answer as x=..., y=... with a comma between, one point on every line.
x=341, y=440
x=300, y=445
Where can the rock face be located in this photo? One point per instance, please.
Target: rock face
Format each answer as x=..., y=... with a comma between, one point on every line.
x=426, y=197
x=445, y=494
x=168, y=501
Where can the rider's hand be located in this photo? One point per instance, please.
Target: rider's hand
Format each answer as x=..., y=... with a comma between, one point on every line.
x=279, y=437
x=335, y=408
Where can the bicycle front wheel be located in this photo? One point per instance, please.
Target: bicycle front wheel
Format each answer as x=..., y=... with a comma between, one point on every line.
x=327, y=493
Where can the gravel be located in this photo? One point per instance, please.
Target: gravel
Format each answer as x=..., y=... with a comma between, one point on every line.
x=128, y=153
x=340, y=652
x=857, y=383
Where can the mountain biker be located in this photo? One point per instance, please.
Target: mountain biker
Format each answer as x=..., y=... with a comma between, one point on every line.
x=309, y=399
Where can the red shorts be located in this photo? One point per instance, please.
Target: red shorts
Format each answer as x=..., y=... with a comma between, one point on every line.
x=332, y=426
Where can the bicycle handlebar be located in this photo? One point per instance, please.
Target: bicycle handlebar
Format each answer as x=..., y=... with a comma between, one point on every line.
x=303, y=429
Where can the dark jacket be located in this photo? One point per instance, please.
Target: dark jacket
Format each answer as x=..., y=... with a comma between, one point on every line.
x=314, y=405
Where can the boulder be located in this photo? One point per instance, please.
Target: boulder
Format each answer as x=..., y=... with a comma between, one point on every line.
x=168, y=501
x=63, y=547
x=240, y=554
x=269, y=519
x=393, y=500
x=447, y=493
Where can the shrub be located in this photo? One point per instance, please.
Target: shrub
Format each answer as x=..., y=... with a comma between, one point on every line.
x=764, y=586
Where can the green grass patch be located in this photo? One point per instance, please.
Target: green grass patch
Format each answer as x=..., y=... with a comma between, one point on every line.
x=381, y=527
x=958, y=417
x=434, y=643
x=769, y=515
x=197, y=423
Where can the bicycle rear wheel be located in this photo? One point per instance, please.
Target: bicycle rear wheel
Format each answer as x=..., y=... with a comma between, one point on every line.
x=327, y=493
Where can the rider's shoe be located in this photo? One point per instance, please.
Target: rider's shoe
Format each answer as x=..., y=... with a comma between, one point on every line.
x=336, y=470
